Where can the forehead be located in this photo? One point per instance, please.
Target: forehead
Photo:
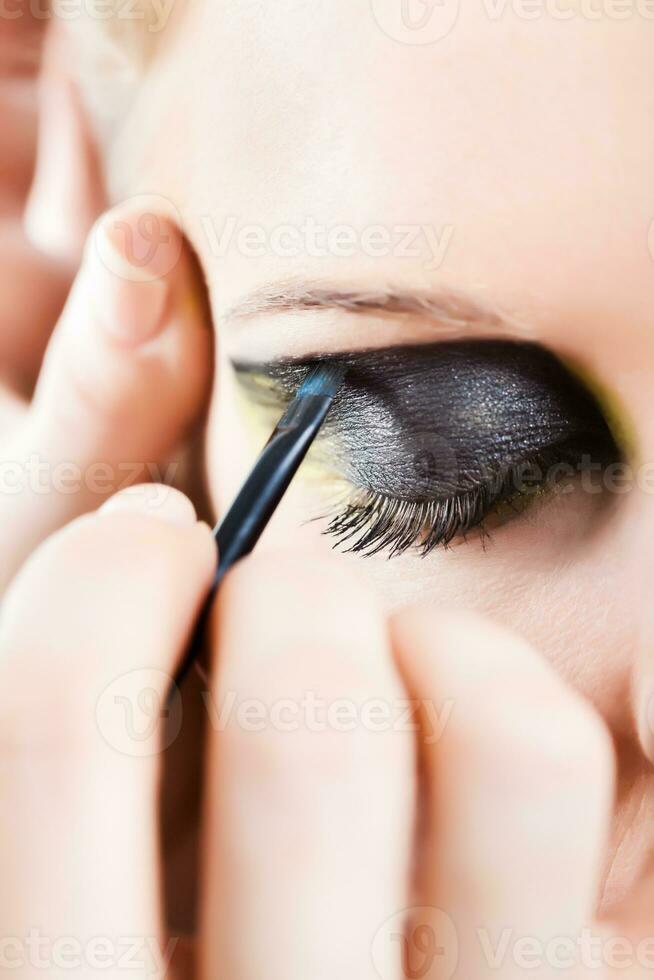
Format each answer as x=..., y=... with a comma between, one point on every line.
x=294, y=94
x=520, y=136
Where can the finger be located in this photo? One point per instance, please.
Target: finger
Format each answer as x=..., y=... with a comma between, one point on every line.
x=12, y=412
x=66, y=197
x=183, y=965
x=33, y=289
x=125, y=375
x=90, y=635
x=19, y=117
x=21, y=41
x=518, y=795
x=309, y=804
x=22, y=33
x=67, y=193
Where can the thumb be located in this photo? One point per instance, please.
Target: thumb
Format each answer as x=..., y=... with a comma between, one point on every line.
x=126, y=374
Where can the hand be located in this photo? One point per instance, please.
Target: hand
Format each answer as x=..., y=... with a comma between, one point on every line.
x=326, y=816
x=82, y=809
x=129, y=363
x=126, y=374
x=355, y=847
x=28, y=311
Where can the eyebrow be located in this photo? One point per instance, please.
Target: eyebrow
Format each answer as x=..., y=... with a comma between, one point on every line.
x=448, y=307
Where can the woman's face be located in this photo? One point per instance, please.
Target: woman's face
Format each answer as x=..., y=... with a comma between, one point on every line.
x=368, y=175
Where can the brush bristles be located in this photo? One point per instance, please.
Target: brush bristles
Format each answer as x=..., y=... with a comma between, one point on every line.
x=323, y=380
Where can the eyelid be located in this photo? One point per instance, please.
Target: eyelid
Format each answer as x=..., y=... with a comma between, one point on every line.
x=504, y=404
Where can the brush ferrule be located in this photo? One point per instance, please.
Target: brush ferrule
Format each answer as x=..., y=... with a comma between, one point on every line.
x=307, y=410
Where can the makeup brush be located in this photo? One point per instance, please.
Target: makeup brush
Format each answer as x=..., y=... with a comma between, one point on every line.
x=264, y=488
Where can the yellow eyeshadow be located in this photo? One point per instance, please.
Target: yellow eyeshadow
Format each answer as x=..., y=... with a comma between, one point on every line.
x=613, y=410
x=259, y=420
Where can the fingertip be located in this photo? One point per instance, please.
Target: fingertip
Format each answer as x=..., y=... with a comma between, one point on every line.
x=127, y=279
x=156, y=500
x=284, y=572
x=466, y=641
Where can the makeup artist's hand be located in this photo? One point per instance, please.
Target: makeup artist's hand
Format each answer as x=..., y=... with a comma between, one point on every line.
x=92, y=624
x=331, y=818
x=51, y=189
x=33, y=280
x=128, y=365
x=125, y=374
x=326, y=815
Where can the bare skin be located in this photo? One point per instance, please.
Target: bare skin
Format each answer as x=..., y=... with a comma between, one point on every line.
x=315, y=840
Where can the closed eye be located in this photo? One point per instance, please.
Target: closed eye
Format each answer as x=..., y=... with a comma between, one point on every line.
x=434, y=438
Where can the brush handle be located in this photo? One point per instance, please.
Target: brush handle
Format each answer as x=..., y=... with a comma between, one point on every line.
x=259, y=497
x=261, y=493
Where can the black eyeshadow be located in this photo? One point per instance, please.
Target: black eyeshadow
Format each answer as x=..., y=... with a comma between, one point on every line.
x=438, y=419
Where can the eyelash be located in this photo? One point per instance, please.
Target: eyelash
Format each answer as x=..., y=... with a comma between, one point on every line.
x=379, y=446
x=371, y=523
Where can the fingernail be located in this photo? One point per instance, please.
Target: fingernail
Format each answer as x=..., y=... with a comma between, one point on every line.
x=132, y=256
x=153, y=500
